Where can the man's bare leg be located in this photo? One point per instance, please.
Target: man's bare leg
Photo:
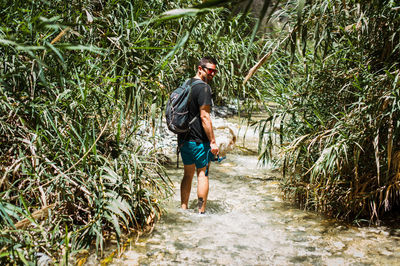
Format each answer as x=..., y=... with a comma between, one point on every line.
x=202, y=189
x=186, y=184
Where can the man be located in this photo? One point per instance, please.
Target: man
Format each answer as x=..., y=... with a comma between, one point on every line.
x=198, y=146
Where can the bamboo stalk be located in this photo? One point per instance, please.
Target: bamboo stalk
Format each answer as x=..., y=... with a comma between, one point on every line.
x=389, y=146
x=37, y=215
x=58, y=37
x=263, y=60
x=375, y=143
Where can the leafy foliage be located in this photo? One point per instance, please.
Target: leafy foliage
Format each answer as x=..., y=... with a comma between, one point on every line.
x=78, y=80
x=337, y=112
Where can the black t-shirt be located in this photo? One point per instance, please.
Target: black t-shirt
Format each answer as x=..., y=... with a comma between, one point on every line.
x=201, y=95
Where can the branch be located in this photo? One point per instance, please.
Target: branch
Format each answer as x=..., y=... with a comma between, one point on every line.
x=265, y=57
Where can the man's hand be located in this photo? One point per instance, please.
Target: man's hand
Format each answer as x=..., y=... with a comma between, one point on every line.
x=214, y=148
x=207, y=125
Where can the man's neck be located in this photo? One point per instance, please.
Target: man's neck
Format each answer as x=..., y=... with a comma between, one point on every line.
x=200, y=77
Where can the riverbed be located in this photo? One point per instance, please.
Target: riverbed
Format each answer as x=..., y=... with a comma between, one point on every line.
x=247, y=222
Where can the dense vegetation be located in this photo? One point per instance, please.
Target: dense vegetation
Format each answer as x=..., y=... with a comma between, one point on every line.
x=82, y=89
x=83, y=85
x=335, y=80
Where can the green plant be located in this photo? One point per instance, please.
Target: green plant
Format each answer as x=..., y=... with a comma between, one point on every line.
x=78, y=80
x=337, y=98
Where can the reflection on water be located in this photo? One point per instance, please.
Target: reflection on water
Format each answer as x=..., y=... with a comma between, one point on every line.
x=248, y=223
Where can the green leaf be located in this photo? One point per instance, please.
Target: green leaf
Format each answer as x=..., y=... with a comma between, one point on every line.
x=4, y=215
x=179, y=45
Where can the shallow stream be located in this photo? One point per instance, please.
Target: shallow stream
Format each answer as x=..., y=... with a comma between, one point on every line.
x=248, y=223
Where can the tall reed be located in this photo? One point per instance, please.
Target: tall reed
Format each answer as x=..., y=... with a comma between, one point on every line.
x=77, y=81
x=336, y=89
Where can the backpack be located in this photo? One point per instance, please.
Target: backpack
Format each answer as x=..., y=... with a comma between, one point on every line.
x=177, y=111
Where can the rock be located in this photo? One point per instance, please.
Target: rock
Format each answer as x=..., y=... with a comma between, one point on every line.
x=225, y=111
x=163, y=142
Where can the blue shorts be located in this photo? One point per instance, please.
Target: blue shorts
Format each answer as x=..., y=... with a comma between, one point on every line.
x=196, y=153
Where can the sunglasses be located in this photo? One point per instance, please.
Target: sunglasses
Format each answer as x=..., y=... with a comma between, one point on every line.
x=210, y=71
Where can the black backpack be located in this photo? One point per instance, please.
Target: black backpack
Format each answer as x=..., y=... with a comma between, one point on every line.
x=177, y=112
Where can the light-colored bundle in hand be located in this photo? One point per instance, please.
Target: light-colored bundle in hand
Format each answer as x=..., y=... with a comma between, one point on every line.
x=225, y=139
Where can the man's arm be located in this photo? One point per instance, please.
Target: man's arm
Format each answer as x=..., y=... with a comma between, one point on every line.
x=207, y=125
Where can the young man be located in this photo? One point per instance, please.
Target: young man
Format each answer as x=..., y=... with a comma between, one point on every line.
x=198, y=145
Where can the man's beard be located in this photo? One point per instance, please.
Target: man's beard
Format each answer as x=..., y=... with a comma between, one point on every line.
x=208, y=80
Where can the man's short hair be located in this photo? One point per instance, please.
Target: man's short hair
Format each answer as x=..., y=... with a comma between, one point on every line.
x=207, y=59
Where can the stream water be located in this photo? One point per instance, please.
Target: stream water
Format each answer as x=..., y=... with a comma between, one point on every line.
x=248, y=223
